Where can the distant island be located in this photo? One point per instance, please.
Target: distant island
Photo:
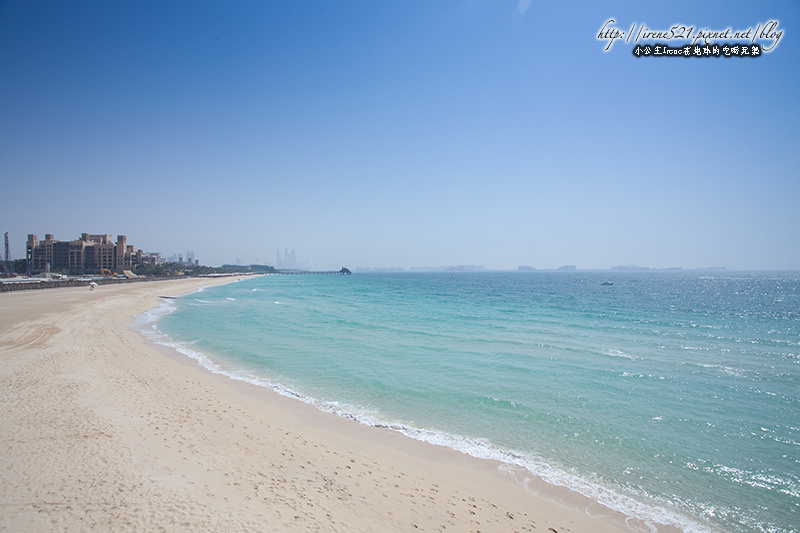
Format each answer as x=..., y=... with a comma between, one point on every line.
x=634, y=268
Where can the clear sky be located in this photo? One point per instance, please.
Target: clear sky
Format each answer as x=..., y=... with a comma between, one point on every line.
x=400, y=133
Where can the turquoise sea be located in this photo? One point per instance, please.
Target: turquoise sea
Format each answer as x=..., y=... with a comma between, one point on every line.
x=671, y=396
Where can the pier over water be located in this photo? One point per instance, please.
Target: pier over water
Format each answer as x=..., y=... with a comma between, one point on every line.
x=343, y=272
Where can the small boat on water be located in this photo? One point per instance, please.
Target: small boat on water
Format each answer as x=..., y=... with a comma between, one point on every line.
x=607, y=283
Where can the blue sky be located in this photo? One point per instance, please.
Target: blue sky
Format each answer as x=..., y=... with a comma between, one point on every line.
x=400, y=134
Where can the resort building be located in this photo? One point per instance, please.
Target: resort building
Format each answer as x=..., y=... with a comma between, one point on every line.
x=90, y=253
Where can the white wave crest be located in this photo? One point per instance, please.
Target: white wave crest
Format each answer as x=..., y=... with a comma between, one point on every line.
x=619, y=353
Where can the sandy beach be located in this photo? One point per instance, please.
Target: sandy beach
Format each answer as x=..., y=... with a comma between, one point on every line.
x=104, y=432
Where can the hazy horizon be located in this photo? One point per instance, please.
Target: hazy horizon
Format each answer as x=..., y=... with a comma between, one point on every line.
x=401, y=134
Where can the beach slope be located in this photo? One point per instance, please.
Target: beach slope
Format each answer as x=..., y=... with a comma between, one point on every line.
x=102, y=431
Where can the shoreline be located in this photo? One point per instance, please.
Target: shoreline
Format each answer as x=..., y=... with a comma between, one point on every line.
x=107, y=430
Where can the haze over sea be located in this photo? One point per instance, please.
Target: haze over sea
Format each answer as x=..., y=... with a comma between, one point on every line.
x=671, y=396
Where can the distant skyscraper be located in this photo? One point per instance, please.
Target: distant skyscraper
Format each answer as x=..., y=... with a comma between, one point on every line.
x=288, y=261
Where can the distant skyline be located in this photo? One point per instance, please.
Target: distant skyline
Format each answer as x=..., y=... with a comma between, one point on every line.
x=401, y=134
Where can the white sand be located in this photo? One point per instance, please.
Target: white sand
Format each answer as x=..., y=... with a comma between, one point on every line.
x=103, y=432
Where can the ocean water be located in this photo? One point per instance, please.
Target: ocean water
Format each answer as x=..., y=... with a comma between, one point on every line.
x=671, y=396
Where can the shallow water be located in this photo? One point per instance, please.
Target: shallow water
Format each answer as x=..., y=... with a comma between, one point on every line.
x=671, y=396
